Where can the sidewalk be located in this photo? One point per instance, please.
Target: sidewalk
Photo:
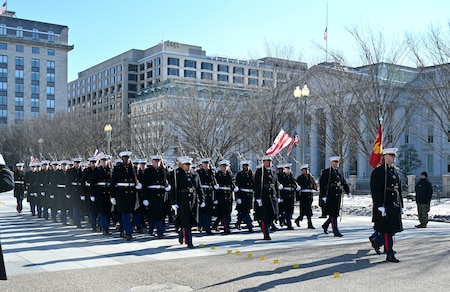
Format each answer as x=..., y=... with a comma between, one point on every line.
x=32, y=246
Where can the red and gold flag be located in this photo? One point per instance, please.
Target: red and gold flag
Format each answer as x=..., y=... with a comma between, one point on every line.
x=376, y=158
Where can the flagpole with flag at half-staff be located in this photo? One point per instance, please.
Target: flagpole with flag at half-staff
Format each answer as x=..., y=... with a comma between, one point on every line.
x=376, y=158
x=325, y=36
x=4, y=8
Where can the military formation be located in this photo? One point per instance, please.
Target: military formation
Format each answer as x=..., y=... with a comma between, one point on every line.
x=138, y=196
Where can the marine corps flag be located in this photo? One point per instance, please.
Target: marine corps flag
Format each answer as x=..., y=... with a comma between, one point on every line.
x=376, y=158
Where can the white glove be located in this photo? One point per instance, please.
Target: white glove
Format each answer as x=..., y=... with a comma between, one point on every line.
x=25, y=193
x=216, y=202
x=83, y=198
x=280, y=187
x=235, y=189
x=42, y=193
x=113, y=201
x=168, y=188
x=298, y=188
x=238, y=201
x=175, y=207
x=259, y=201
x=324, y=199
x=401, y=210
x=2, y=160
x=382, y=210
x=52, y=196
x=92, y=198
x=138, y=186
x=216, y=187
x=202, y=205
x=279, y=200
x=146, y=203
x=349, y=195
x=68, y=196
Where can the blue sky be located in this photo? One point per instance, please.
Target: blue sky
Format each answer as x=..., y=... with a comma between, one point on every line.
x=101, y=29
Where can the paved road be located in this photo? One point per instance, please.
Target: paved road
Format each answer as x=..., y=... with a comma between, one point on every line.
x=45, y=256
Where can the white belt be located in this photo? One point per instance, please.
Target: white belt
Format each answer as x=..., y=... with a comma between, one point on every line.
x=205, y=187
x=306, y=191
x=87, y=184
x=125, y=185
x=61, y=186
x=18, y=181
x=247, y=190
x=288, y=189
x=225, y=188
x=76, y=184
x=155, y=187
x=102, y=183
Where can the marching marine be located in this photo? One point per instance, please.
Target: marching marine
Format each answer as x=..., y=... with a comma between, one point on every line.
x=244, y=196
x=308, y=185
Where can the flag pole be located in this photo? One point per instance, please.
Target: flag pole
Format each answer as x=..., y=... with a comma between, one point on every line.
x=326, y=38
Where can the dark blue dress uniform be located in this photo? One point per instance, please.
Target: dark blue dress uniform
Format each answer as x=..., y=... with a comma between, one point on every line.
x=287, y=198
x=44, y=200
x=154, y=182
x=31, y=188
x=266, y=192
x=62, y=199
x=99, y=179
x=224, y=198
x=207, y=184
x=123, y=189
x=332, y=185
x=185, y=195
x=74, y=187
x=19, y=188
x=385, y=185
x=307, y=185
x=245, y=182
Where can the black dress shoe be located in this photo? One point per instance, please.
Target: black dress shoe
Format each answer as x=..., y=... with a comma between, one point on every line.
x=391, y=258
x=190, y=245
x=338, y=234
x=122, y=235
x=311, y=227
x=180, y=240
x=375, y=245
x=129, y=237
x=267, y=238
x=290, y=228
x=325, y=229
x=106, y=233
x=297, y=221
x=421, y=226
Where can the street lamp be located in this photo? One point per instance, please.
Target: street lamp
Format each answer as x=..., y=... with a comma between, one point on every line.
x=41, y=148
x=108, y=130
x=298, y=94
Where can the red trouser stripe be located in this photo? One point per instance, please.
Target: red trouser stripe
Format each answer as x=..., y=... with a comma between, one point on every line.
x=184, y=234
x=263, y=227
x=386, y=242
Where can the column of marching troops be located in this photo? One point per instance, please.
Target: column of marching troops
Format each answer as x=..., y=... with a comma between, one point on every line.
x=138, y=196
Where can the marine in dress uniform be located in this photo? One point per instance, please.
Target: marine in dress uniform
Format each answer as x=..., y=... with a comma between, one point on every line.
x=266, y=195
x=31, y=187
x=386, y=188
x=74, y=187
x=224, y=195
x=207, y=183
x=43, y=181
x=244, y=196
x=124, y=183
x=52, y=189
x=62, y=198
x=184, y=197
x=307, y=184
x=19, y=186
x=287, y=186
x=332, y=186
x=141, y=212
x=99, y=179
x=155, y=183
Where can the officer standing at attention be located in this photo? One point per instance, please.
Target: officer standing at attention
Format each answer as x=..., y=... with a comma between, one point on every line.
x=386, y=188
x=266, y=195
x=224, y=195
x=183, y=198
x=307, y=184
x=19, y=186
x=244, y=197
x=123, y=192
x=288, y=187
x=332, y=185
x=207, y=181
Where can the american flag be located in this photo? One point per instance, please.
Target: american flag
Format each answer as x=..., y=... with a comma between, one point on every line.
x=98, y=153
x=293, y=143
x=3, y=9
x=281, y=141
x=325, y=34
x=33, y=160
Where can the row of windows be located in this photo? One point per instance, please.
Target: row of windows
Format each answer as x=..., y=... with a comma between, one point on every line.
x=34, y=50
x=34, y=34
x=20, y=61
x=220, y=77
x=99, y=76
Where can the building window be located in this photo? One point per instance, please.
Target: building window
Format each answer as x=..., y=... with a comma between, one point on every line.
x=35, y=89
x=172, y=71
x=222, y=77
x=19, y=61
x=35, y=102
x=19, y=32
x=173, y=61
x=3, y=59
x=3, y=100
x=51, y=37
x=149, y=74
x=149, y=64
x=34, y=76
x=35, y=63
x=238, y=70
x=19, y=87
x=207, y=75
x=50, y=90
x=50, y=104
x=429, y=163
x=50, y=64
x=252, y=72
x=35, y=50
x=18, y=101
x=19, y=74
x=3, y=72
x=448, y=163
x=207, y=66
x=3, y=86
x=157, y=71
x=190, y=73
x=51, y=52
x=267, y=83
x=190, y=63
x=267, y=74
x=222, y=68
x=19, y=48
x=119, y=68
x=448, y=134
x=35, y=34
x=238, y=79
x=51, y=77
x=406, y=136
x=18, y=115
x=158, y=62
x=112, y=80
x=3, y=46
x=253, y=81
x=3, y=30
x=430, y=134
x=132, y=77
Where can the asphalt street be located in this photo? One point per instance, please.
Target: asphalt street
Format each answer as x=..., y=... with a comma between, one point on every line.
x=45, y=256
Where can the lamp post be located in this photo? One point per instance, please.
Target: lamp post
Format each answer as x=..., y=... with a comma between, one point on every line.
x=108, y=130
x=41, y=148
x=301, y=94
